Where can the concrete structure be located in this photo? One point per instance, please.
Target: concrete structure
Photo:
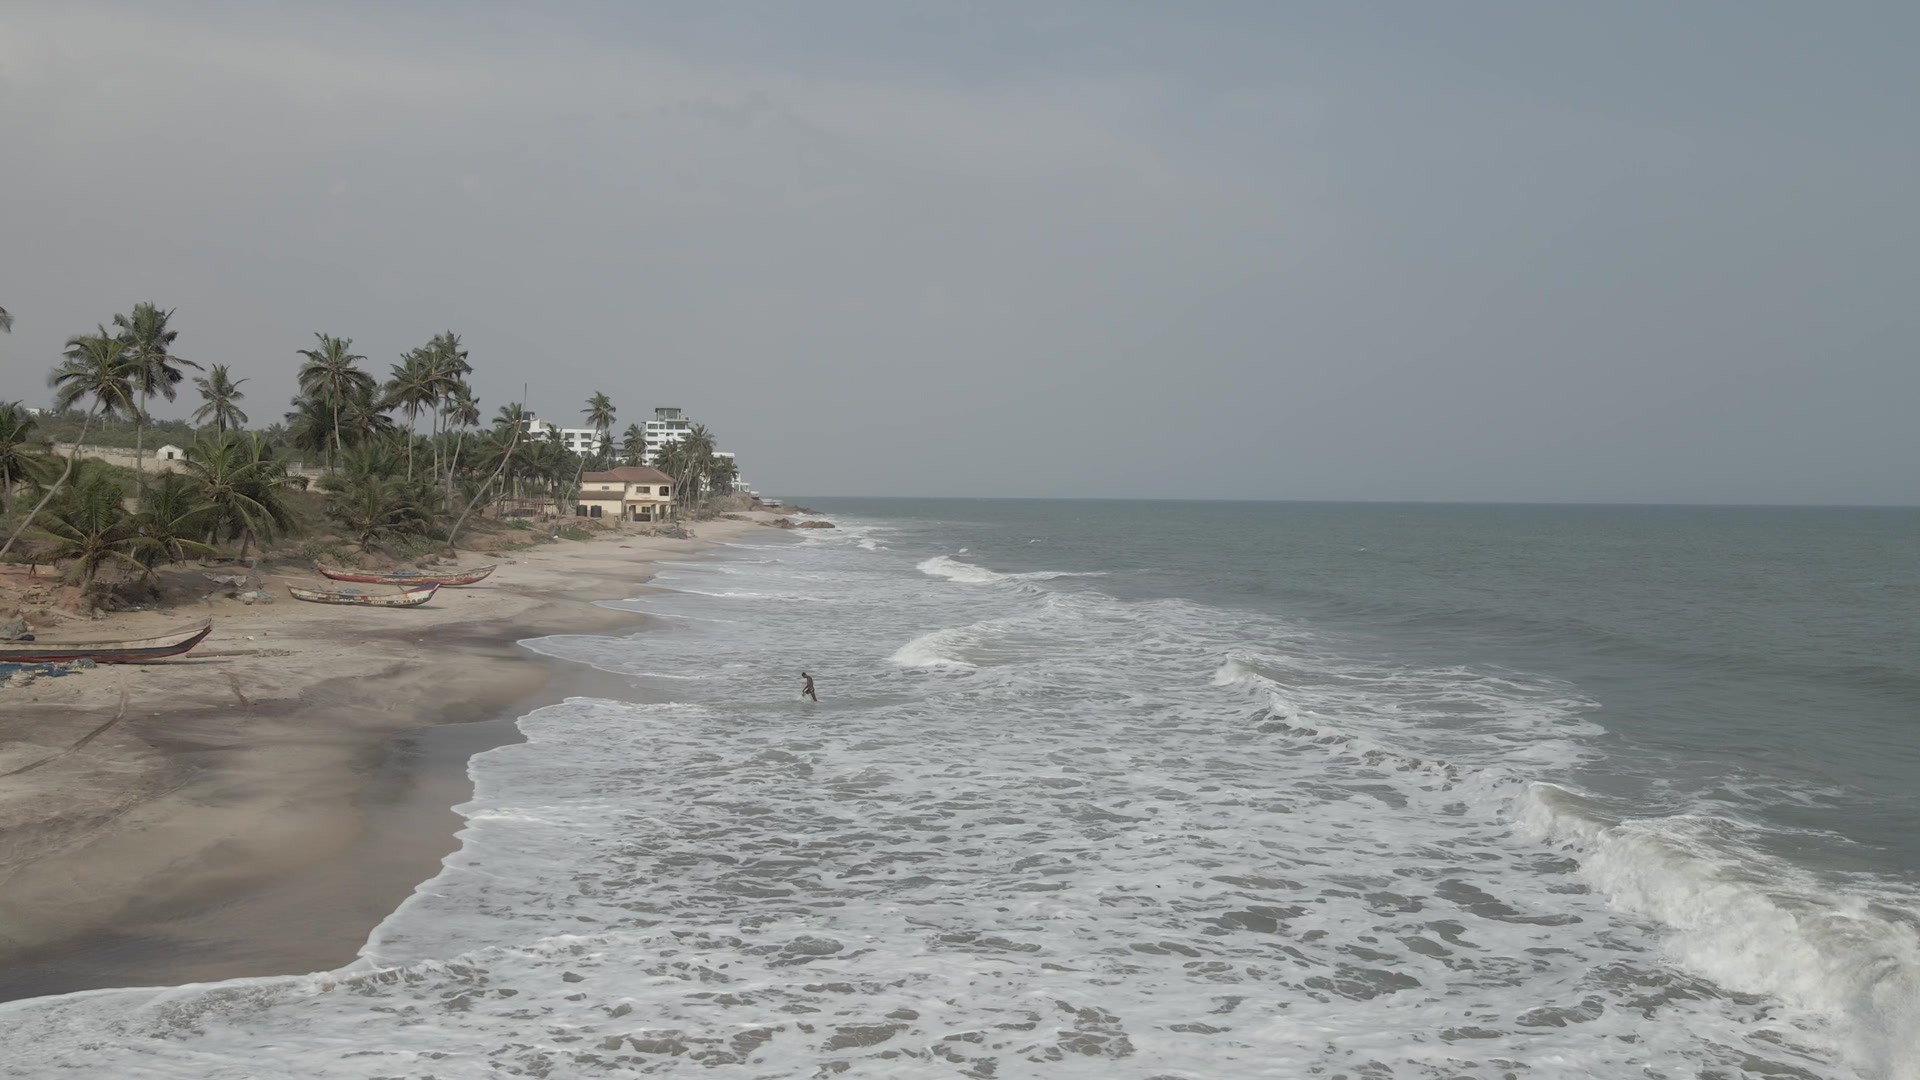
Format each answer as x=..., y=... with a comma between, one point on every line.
x=668, y=425
x=629, y=493
x=169, y=452
x=579, y=440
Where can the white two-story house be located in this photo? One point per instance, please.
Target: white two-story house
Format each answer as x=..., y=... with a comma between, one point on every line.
x=630, y=492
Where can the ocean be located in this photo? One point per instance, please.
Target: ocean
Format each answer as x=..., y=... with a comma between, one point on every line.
x=1151, y=789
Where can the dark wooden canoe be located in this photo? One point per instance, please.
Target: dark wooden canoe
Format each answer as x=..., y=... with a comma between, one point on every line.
x=127, y=651
x=448, y=578
x=375, y=596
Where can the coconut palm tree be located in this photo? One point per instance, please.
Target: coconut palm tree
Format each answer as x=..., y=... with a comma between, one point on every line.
x=448, y=367
x=414, y=387
x=155, y=369
x=633, y=446
x=89, y=526
x=599, y=413
x=243, y=484
x=172, y=516
x=510, y=422
x=96, y=367
x=6, y=322
x=23, y=457
x=462, y=409
x=220, y=393
x=330, y=377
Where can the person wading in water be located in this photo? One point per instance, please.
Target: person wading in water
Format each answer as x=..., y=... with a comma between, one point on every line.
x=806, y=686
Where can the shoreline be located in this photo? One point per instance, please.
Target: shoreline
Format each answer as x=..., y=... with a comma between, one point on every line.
x=297, y=786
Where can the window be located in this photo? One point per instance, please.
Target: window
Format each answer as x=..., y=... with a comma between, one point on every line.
x=642, y=489
x=664, y=491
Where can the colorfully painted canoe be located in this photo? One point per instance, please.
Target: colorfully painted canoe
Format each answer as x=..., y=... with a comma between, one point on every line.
x=126, y=651
x=407, y=596
x=448, y=578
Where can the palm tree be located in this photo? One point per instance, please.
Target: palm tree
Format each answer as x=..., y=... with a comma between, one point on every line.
x=599, y=414
x=220, y=394
x=155, y=369
x=90, y=527
x=330, y=377
x=243, y=484
x=511, y=421
x=633, y=445
x=171, y=516
x=372, y=509
x=413, y=387
x=462, y=409
x=6, y=322
x=96, y=366
x=22, y=455
x=691, y=461
x=448, y=369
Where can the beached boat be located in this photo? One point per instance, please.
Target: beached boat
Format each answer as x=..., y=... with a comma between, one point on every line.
x=125, y=651
x=449, y=578
x=399, y=596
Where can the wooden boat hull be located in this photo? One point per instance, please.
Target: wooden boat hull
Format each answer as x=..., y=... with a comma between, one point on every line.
x=410, y=596
x=448, y=579
x=129, y=651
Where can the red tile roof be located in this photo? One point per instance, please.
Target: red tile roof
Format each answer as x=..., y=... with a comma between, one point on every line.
x=627, y=474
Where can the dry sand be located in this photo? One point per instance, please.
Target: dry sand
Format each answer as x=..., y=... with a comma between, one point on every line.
x=256, y=806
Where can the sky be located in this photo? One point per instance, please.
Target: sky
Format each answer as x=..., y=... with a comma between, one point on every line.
x=1623, y=252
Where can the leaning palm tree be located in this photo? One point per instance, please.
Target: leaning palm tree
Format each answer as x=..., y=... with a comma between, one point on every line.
x=220, y=393
x=23, y=457
x=155, y=369
x=510, y=422
x=330, y=377
x=96, y=367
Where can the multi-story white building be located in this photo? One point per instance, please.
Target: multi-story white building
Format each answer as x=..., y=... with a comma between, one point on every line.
x=670, y=425
x=579, y=440
x=667, y=426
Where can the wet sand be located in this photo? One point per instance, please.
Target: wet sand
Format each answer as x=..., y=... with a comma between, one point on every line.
x=261, y=804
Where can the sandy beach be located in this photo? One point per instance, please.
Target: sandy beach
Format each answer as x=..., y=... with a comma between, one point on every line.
x=257, y=806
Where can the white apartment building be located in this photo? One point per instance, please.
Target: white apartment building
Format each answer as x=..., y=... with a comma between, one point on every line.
x=670, y=425
x=667, y=426
x=580, y=440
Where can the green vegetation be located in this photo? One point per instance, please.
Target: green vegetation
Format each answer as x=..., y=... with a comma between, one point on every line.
x=388, y=486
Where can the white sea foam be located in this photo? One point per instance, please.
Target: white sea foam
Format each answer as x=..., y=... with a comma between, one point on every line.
x=955, y=570
x=1134, y=840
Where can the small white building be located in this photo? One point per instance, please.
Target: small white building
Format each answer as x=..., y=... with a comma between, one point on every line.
x=169, y=452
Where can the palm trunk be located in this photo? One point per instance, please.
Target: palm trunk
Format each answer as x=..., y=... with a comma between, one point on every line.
x=140, y=446
x=505, y=459
x=48, y=497
x=333, y=463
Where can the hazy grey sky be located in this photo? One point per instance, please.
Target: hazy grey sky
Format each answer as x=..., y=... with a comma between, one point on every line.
x=1618, y=251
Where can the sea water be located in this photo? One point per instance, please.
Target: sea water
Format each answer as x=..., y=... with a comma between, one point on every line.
x=1163, y=790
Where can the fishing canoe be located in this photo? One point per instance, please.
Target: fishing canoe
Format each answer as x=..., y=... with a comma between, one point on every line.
x=448, y=578
x=408, y=596
x=127, y=651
